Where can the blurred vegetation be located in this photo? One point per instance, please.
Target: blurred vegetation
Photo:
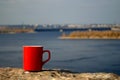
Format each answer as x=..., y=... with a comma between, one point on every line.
x=10, y=30
x=93, y=34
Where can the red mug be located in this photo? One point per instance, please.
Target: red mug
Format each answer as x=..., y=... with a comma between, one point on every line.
x=33, y=58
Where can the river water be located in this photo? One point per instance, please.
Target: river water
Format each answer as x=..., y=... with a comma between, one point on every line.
x=75, y=55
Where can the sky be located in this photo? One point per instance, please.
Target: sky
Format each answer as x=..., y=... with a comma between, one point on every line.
x=60, y=11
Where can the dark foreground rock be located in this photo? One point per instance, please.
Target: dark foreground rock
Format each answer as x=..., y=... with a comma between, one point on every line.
x=20, y=74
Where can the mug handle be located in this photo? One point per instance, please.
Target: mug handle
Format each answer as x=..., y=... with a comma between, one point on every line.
x=49, y=56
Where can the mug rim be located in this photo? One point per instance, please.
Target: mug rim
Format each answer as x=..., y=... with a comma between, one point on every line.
x=32, y=46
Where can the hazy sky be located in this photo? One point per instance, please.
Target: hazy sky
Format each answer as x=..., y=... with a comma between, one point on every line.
x=59, y=11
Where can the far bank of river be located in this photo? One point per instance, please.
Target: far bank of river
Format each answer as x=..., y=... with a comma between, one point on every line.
x=92, y=35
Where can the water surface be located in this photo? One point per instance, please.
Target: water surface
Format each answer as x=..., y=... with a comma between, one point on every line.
x=75, y=55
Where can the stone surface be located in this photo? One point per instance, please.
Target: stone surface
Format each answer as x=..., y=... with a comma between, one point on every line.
x=55, y=74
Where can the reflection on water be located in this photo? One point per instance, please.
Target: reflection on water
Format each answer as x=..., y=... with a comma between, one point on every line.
x=76, y=55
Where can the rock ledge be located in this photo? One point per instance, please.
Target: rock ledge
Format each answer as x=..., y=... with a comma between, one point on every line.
x=55, y=74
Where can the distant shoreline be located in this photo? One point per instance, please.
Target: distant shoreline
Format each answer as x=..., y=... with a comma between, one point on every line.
x=85, y=38
x=91, y=35
x=17, y=32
